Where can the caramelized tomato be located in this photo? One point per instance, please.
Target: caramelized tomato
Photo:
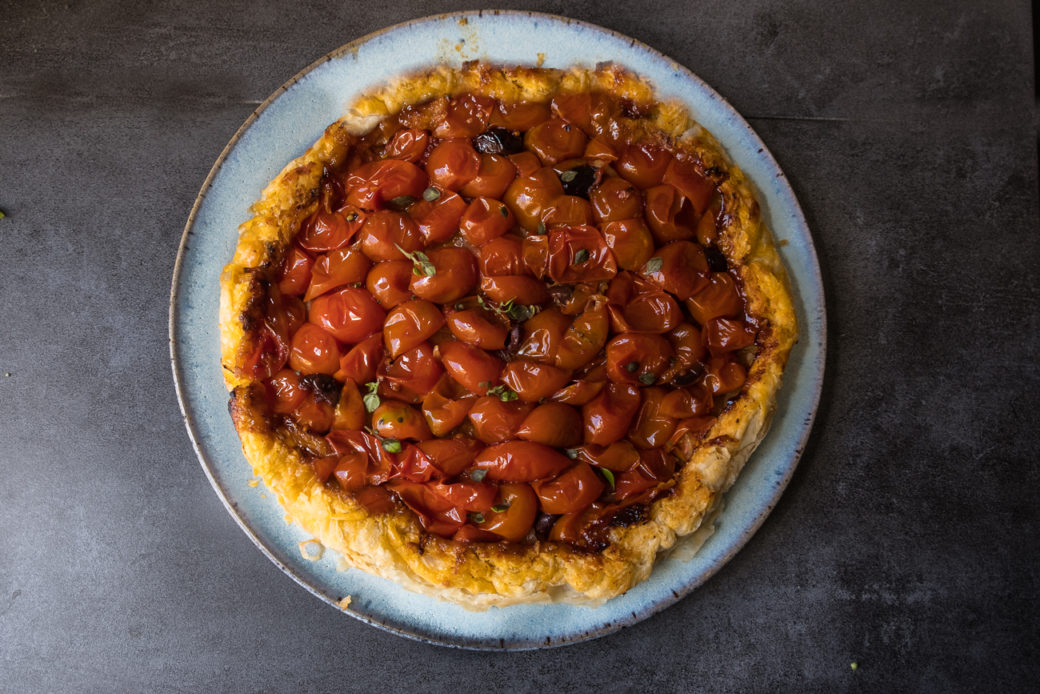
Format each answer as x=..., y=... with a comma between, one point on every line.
x=349, y=314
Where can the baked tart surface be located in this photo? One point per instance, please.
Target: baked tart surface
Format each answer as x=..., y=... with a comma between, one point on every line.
x=503, y=335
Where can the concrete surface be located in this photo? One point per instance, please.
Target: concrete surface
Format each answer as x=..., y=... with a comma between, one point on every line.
x=907, y=542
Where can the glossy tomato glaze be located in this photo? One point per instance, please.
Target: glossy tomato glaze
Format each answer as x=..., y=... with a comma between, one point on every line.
x=511, y=318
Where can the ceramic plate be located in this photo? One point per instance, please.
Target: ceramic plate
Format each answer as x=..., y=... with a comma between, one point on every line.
x=290, y=121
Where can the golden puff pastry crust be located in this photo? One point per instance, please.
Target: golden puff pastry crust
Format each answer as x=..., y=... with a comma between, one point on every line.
x=479, y=575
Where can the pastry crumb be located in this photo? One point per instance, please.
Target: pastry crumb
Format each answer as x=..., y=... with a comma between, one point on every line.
x=345, y=602
x=311, y=550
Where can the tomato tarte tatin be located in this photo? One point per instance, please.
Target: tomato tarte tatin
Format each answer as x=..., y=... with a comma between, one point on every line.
x=505, y=334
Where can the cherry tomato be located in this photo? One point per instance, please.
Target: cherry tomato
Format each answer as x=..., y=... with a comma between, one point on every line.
x=314, y=351
x=643, y=164
x=444, y=409
x=615, y=199
x=485, y=219
x=520, y=289
x=408, y=144
x=372, y=185
x=687, y=435
x=502, y=256
x=525, y=163
x=521, y=115
x=410, y=324
x=471, y=367
x=517, y=507
x=375, y=500
x=335, y=269
x=350, y=471
x=385, y=233
x=707, y=229
x=552, y=424
x=719, y=299
x=314, y=413
x=494, y=420
x=323, y=467
x=295, y=313
x=455, y=275
x=686, y=341
x=327, y=231
x=600, y=150
x=688, y=180
x=359, y=364
x=349, y=412
x=520, y=461
x=296, y=272
x=533, y=380
x=467, y=116
x=555, y=140
x=671, y=216
x=637, y=358
x=726, y=335
x=472, y=326
x=388, y=282
x=397, y=420
x=681, y=403
x=652, y=312
x=579, y=392
x=590, y=111
x=530, y=197
x=723, y=375
x=585, y=337
x=453, y=163
x=683, y=269
x=349, y=314
x=618, y=456
x=451, y=456
x=284, y=391
x=438, y=220
x=632, y=483
x=652, y=428
x=608, y=415
x=568, y=209
x=571, y=527
x=579, y=254
x=413, y=374
x=495, y=174
x=543, y=334
x=572, y=490
x=630, y=241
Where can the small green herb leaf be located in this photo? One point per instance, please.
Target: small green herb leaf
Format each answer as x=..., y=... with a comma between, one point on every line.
x=572, y=453
x=608, y=475
x=631, y=366
x=520, y=312
x=421, y=262
x=391, y=445
x=648, y=378
x=352, y=217
x=477, y=518
x=653, y=265
x=503, y=210
x=371, y=399
x=568, y=176
x=541, y=228
x=504, y=393
x=431, y=194
x=581, y=256
x=477, y=475
x=402, y=202
x=500, y=508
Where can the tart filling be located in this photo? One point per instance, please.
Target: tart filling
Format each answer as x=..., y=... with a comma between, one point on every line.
x=503, y=334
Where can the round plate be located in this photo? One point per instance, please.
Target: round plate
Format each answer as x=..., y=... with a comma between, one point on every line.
x=289, y=122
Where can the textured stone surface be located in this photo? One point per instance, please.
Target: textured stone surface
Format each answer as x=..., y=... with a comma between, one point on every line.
x=907, y=541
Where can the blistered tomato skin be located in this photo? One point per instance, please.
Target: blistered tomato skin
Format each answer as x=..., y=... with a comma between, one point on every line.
x=510, y=321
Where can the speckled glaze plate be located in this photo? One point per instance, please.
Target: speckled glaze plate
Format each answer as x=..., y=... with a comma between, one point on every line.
x=290, y=121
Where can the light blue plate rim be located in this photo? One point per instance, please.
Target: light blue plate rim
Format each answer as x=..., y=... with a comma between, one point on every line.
x=211, y=231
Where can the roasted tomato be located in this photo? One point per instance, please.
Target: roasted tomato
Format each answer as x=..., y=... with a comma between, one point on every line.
x=552, y=424
x=408, y=144
x=719, y=299
x=296, y=272
x=359, y=364
x=327, y=231
x=495, y=420
x=691, y=182
x=513, y=513
x=437, y=214
x=520, y=461
x=453, y=163
x=630, y=242
x=445, y=407
x=314, y=351
x=389, y=282
x=608, y=415
x=519, y=289
x=723, y=375
x=495, y=174
x=409, y=324
x=670, y=215
x=284, y=391
x=579, y=254
x=387, y=235
x=555, y=140
x=451, y=456
x=350, y=315
x=485, y=219
x=652, y=312
x=471, y=367
x=476, y=327
x=570, y=491
x=349, y=412
x=652, y=428
x=724, y=335
x=446, y=275
x=638, y=358
x=414, y=373
x=680, y=268
x=533, y=380
x=530, y=197
x=543, y=335
x=644, y=165
x=397, y=420
x=468, y=115
x=519, y=116
x=585, y=337
x=618, y=456
x=336, y=269
x=615, y=199
x=371, y=186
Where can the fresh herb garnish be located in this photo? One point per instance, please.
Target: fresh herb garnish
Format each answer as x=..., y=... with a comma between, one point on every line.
x=653, y=265
x=608, y=475
x=421, y=264
x=352, y=217
x=631, y=366
x=402, y=202
x=541, y=229
x=572, y=453
x=503, y=210
x=477, y=475
x=510, y=309
x=477, y=518
x=500, y=508
x=581, y=256
x=371, y=399
x=568, y=176
x=647, y=378
x=504, y=393
x=431, y=194
x=391, y=445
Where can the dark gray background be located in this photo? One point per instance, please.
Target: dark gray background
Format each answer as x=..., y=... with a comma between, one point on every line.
x=907, y=541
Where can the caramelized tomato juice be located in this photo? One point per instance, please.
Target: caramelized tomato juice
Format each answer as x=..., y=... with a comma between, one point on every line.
x=513, y=319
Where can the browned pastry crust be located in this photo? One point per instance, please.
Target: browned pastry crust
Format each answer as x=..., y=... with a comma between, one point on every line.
x=478, y=575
